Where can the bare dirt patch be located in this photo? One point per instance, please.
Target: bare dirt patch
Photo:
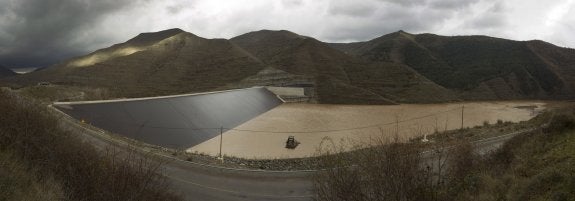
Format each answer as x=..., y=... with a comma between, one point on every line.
x=264, y=137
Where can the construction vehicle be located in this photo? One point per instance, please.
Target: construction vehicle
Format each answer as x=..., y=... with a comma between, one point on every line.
x=291, y=143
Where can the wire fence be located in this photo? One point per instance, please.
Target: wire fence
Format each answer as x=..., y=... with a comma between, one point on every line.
x=225, y=129
x=191, y=127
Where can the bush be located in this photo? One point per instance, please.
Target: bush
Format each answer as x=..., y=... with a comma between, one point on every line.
x=560, y=123
x=29, y=132
x=19, y=182
x=531, y=166
x=391, y=171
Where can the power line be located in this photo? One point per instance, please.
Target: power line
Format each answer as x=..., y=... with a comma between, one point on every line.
x=299, y=132
x=318, y=131
x=176, y=128
x=346, y=129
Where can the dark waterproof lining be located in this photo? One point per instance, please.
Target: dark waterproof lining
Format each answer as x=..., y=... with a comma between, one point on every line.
x=177, y=122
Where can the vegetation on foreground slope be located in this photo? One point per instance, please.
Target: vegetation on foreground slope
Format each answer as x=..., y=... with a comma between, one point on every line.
x=538, y=165
x=41, y=161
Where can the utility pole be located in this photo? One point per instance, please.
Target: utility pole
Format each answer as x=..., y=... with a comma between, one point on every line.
x=462, y=108
x=446, y=121
x=221, y=140
x=396, y=137
x=396, y=126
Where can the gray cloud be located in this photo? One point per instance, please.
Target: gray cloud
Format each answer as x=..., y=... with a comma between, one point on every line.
x=392, y=15
x=492, y=18
x=41, y=32
x=451, y=4
x=351, y=8
x=406, y=3
x=292, y=3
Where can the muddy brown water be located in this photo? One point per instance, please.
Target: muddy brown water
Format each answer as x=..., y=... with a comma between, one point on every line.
x=315, y=125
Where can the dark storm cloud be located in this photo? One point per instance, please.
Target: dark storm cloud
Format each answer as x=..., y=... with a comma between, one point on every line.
x=41, y=32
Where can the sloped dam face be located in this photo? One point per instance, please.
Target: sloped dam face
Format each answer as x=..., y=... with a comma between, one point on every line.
x=177, y=122
x=256, y=124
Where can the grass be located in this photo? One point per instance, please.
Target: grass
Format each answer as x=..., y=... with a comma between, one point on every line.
x=487, y=130
x=182, y=64
x=19, y=183
x=55, y=93
x=341, y=78
x=464, y=62
x=474, y=66
x=45, y=160
x=538, y=165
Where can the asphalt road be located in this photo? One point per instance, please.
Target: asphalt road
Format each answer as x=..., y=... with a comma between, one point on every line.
x=219, y=184
x=203, y=182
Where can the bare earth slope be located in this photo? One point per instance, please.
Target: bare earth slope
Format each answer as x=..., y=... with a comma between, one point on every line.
x=478, y=67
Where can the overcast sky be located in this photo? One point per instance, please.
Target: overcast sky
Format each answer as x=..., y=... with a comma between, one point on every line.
x=42, y=32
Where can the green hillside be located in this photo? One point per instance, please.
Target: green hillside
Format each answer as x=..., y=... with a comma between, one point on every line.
x=395, y=68
x=476, y=66
x=168, y=62
x=339, y=77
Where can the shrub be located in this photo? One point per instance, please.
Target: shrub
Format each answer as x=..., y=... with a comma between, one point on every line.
x=387, y=171
x=34, y=136
x=561, y=123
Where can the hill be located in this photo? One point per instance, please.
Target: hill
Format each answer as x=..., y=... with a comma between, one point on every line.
x=5, y=72
x=174, y=61
x=478, y=67
x=151, y=64
x=338, y=77
x=395, y=68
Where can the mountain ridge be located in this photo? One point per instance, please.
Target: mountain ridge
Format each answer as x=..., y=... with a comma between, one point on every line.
x=394, y=68
x=6, y=72
x=335, y=71
x=475, y=66
x=168, y=64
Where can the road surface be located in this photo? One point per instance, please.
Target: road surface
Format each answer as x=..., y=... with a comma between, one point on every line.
x=204, y=182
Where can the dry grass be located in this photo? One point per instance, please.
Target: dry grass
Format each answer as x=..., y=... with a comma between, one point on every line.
x=179, y=64
x=389, y=171
x=32, y=136
x=533, y=166
x=18, y=182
